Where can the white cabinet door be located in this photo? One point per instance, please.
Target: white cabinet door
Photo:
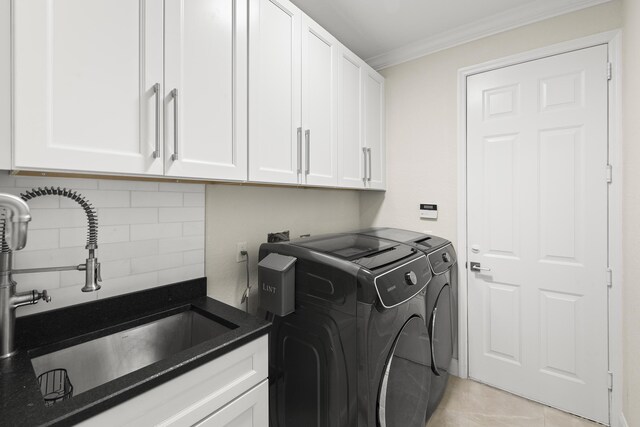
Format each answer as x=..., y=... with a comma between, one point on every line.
x=249, y=410
x=319, y=104
x=275, y=133
x=205, y=92
x=351, y=157
x=84, y=76
x=374, y=128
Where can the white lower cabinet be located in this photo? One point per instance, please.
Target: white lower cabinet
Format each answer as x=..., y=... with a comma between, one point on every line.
x=249, y=410
x=231, y=390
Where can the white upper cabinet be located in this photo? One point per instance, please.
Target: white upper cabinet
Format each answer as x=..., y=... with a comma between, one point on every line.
x=275, y=132
x=361, y=124
x=84, y=79
x=319, y=105
x=351, y=156
x=374, y=129
x=205, y=89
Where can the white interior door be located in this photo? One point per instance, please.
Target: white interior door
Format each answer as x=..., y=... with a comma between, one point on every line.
x=319, y=104
x=206, y=89
x=537, y=218
x=275, y=131
x=84, y=78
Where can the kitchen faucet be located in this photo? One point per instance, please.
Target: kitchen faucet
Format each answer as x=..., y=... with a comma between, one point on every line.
x=13, y=237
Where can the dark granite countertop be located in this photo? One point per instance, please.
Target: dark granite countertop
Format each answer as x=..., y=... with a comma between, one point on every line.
x=22, y=404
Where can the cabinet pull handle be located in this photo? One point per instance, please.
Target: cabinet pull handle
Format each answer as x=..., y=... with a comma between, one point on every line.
x=176, y=129
x=369, y=153
x=156, y=92
x=364, y=155
x=299, y=134
x=307, y=138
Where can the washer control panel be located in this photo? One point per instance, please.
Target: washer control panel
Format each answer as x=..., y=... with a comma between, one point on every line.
x=442, y=259
x=403, y=282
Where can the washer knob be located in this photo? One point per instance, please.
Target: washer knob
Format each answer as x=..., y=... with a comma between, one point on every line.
x=411, y=278
x=446, y=257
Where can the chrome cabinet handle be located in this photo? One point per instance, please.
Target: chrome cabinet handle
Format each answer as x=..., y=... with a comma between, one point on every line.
x=475, y=266
x=364, y=154
x=369, y=153
x=299, y=133
x=156, y=92
x=307, y=139
x=176, y=129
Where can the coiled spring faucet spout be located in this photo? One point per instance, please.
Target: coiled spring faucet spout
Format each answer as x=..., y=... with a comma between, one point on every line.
x=13, y=237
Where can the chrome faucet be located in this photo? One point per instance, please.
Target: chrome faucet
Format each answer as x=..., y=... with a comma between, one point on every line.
x=13, y=237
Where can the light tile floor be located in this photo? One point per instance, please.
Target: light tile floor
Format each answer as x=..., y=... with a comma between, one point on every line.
x=467, y=403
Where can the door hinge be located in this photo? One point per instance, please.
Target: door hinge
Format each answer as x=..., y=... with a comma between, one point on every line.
x=609, y=174
x=609, y=71
x=609, y=277
x=610, y=380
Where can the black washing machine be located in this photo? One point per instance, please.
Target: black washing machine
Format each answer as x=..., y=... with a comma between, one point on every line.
x=356, y=350
x=441, y=302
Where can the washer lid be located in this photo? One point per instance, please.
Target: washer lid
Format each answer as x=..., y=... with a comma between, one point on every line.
x=348, y=246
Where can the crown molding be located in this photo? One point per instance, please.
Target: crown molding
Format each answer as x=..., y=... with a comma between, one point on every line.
x=504, y=21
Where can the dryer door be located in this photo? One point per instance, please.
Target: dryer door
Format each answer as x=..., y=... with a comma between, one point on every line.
x=404, y=392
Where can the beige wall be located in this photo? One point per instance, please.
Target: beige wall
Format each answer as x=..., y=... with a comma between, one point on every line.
x=246, y=214
x=422, y=111
x=631, y=210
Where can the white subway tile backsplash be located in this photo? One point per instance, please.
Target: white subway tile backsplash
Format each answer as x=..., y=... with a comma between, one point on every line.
x=182, y=188
x=149, y=234
x=42, y=239
x=127, y=250
x=49, y=258
x=195, y=228
x=108, y=184
x=180, y=244
x=156, y=231
x=27, y=282
x=155, y=199
x=115, y=216
x=70, y=237
x=193, y=257
x=100, y=199
x=155, y=263
x=181, y=273
x=181, y=214
x=57, y=218
x=194, y=199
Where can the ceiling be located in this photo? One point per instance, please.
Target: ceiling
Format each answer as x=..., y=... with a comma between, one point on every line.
x=387, y=31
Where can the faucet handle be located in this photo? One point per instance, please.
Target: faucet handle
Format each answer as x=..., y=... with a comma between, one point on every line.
x=98, y=272
x=45, y=296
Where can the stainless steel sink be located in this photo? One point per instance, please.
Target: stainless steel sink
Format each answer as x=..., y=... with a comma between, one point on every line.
x=101, y=360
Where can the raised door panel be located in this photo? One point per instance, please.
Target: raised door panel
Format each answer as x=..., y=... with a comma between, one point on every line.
x=319, y=104
x=351, y=158
x=274, y=91
x=249, y=410
x=374, y=129
x=205, y=91
x=84, y=95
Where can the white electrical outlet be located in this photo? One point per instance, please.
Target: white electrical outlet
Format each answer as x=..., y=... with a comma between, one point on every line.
x=240, y=246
